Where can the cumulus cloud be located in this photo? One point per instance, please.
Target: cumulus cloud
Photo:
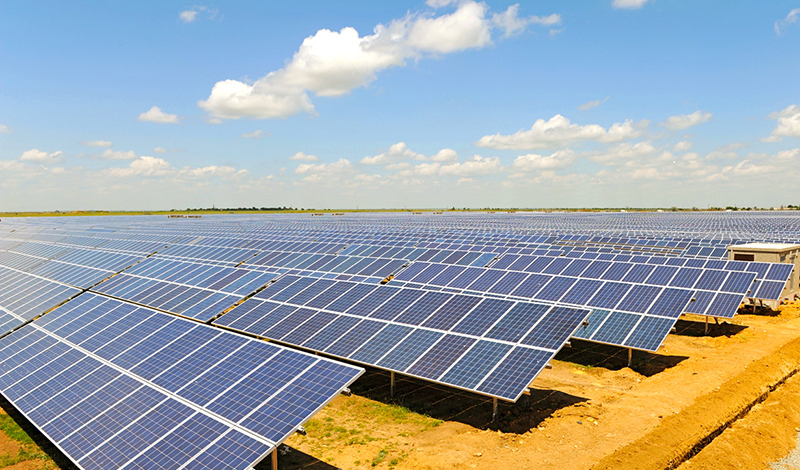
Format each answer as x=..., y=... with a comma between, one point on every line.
x=223, y=171
x=788, y=154
x=191, y=15
x=256, y=134
x=559, y=131
x=473, y=166
x=628, y=4
x=38, y=156
x=685, y=121
x=364, y=178
x=592, y=104
x=397, y=152
x=143, y=166
x=155, y=114
x=445, y=156
x=510, y=22
x=683, y=146
x=95, y=143
x=300, y=156
x=109, y=154
x=4, y=129
x=160, y=150
x=624, y=153
x=790, y=19
x=750, y=168
x=332, y=63
x=788, y=123
x=646, y=174
x=465, y=28
x=534, y=162
x=337, y=167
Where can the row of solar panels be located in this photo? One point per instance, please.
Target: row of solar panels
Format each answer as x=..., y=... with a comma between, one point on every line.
x=203, y=291
x=114, y=385
x=205, y=304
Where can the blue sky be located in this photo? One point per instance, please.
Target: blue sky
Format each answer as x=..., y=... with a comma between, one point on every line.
x=343, y=104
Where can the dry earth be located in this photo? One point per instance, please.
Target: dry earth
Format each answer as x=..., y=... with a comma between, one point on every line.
x=726, y=400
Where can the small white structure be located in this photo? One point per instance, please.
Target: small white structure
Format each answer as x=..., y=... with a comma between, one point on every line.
x=772, y=253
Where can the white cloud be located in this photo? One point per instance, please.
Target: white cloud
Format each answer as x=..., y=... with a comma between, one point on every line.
x=624, y=153
x=788, y=123
x=366, y=178
x=728, y=151
x=13, y=165
x=187, y=16
x=592, y=104
x=96, y=143
x=439, y=3
x=398, y=166
x=143, y=166
x=155, y=114
x=646, y=174
x=628, y=4
x=109, y=154
x=256, y=134
x=397, y=152
x=465, y=28
x=445, y=156
x=160, y=150
x=304, y=157
x=685, y=121
x=534, y=162
x=748, y=168
x=332, y=63
x=4, y=129
x=337, y=167
x=683, y=146
x=475, y=166
x=558, y=131
x=512, y=24
x=790, y=19
x=223, y=171
x=38, y=156
x=191, y=15
x=788, y=154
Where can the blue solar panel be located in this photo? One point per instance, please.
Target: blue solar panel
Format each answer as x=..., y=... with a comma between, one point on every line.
x=155, y=404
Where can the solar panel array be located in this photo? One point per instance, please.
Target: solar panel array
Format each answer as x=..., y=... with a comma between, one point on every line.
x=118, y=335
x=489, y=346
x=115, y=385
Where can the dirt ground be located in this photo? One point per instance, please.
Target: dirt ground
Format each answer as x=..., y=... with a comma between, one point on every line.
x=725, y=400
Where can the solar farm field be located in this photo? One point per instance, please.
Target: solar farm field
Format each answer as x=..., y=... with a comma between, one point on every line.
x=398, y=340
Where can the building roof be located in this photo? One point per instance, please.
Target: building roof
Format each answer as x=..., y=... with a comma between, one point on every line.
x=769, y=247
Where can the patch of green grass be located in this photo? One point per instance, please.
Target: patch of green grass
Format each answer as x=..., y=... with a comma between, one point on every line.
x=28, y=449
x=380, y=457
x=391, y=413
x=13, y=431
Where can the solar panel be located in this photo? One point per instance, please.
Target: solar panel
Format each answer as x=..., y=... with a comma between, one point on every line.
x=113, y=385
x=414, y=332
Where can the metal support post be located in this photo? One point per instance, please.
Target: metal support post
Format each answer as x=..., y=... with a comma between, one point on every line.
x=391, y=385
x=494, y=409
x=630, y=356
x=706, y=330
x=275, y=458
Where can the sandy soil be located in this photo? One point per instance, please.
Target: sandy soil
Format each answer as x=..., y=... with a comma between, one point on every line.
x=590, y=410
x=721, y=401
